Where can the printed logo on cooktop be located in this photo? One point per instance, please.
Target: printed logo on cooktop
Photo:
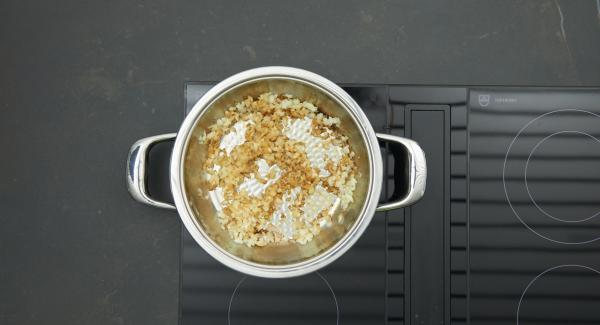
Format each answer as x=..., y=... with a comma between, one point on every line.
x=484, y=100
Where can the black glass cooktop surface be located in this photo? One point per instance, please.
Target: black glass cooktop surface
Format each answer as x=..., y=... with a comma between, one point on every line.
x=508, y=231
x=534, y=207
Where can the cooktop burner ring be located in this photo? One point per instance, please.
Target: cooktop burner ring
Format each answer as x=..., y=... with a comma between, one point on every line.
x=542, y=210
x=504, y=183
x=587, y=268
x=242, y=280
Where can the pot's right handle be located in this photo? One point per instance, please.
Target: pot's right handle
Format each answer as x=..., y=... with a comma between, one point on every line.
x=417, y=172
x=136, y=170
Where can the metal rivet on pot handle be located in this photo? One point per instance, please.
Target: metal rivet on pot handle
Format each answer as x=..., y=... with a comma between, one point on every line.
x=136, y=170
x=417, y=172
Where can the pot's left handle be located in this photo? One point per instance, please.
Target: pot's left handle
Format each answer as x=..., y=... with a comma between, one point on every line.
x=136, y=170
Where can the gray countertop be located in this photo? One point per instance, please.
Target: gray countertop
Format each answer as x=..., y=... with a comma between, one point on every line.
x=82, y=80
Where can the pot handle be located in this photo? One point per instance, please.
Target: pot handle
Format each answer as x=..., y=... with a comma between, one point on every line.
x=417, y=172
x=136, y=170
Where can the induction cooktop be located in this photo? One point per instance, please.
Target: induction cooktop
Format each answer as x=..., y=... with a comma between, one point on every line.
x=508, y=231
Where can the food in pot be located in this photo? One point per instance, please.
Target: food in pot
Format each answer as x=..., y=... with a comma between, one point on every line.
x=278, y=170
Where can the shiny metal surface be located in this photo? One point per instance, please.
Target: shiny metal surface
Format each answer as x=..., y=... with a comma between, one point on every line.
x=199, y=216
x=417, y=168
x=136, y=170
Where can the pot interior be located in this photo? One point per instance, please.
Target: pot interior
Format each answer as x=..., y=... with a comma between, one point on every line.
x=196, y=188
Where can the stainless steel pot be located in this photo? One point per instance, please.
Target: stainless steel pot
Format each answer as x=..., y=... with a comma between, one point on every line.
x=199, y=215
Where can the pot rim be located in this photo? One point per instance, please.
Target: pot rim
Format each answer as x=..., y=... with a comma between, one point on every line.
x=317, y=261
